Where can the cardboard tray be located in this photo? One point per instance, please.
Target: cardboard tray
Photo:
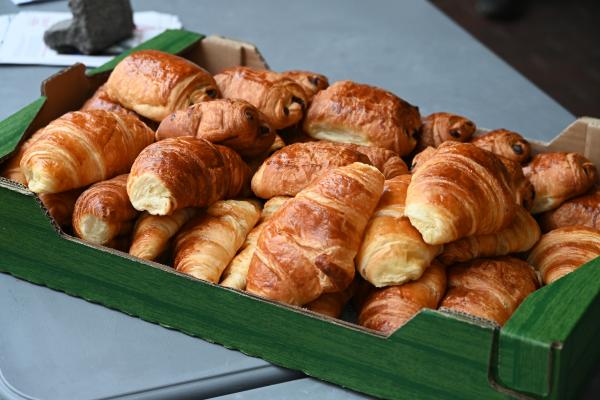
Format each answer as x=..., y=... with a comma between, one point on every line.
x=546, y=350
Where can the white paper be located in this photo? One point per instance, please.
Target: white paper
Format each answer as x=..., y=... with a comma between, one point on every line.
x=22, y=38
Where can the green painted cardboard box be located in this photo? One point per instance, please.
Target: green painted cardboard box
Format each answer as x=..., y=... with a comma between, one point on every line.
x=546, y=350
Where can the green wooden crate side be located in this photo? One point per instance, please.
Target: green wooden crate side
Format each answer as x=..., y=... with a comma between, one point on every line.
x=541, y=326
x=13, y=127
x=170, y=41
x=434, y=356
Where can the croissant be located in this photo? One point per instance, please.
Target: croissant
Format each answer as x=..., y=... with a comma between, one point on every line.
x=583, y=210
x=184, y=172
x=563, y=250
x=61, y=205
x=311, y=82
x=386, y=161
x=421, y=158
x=81, y=148
x=236, y=272
x=103, y=211
x=232, y=123
x=489, y=288
x=389, y=308
x=460, y=191
x=504, y=143
x=296, y=166
x=332, y=304
x=350, y=112
x=152, y=233
x=557, y=177
x=519, y=236
x=522, y=187
x=440, y=127
x=210, y=242
x=279, y=99
x=308, y=246
x=12, y=168
x=392, y=251
x=154, y=84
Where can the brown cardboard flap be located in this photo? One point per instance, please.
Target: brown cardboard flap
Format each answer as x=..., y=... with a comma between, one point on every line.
x=582, y=136
x=216, y=53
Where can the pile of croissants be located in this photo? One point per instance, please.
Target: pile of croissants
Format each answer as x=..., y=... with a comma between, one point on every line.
x=298, y=191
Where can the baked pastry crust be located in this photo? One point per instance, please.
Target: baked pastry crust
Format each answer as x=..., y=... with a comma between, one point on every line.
x=520, y=236
x=154, y=84
x=563, y=250
x=505, y=143
x=389, y=308
x=209, y=242
x=293, y=168
x=583, y=210
x=81, y=148
x=350, y=112
x=557, y=177
x=281, y=100
x=460, y=191
x=393, y=251
x=489, y=288
x=230, y=122
x=442, y=126
x=311, y=82
x=308, y=246
x=104, y=212
x=184, y=172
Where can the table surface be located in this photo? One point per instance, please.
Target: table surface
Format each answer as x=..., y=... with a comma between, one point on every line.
x=53, y=346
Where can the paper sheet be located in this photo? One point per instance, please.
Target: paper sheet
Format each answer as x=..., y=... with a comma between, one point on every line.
x=22, y=37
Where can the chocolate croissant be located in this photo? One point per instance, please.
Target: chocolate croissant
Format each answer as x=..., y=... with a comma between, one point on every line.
x=103, y=211
x=154, y=84
x=184, y=172
x=389, y=308
x=440, y=127
x=505, y=143
x=386, y=161
x=81, y=148
x=296, y=166
x=236, y=272
x=311, y=82
x=392, y=251
x=308, y=246
x=519, y=236
x=232, y=123
x=557, y=177
x=522, y=187
x=350, y=112
x=489, y=288
x=583, y=210
x=460, y=191
x=152, y=233
x=563, y=250
x=209, y=242
x=281, y=100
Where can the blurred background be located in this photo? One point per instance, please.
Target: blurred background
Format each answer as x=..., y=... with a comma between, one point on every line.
x=554, y=43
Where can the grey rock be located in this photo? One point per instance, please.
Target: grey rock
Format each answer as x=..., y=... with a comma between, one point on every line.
x=96, y=25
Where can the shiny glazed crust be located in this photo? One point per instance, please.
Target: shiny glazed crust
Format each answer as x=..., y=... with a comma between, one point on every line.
x=350, y=112
x=308, y=246
x=489, y=288
x=583, y=210
x=81, y=148
x=505, y=143
x=154, y=84
x=440, y=127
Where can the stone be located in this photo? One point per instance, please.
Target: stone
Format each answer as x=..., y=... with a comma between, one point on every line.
x=96, y=25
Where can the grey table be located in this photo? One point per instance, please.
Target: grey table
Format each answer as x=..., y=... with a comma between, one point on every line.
x=56, y=347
